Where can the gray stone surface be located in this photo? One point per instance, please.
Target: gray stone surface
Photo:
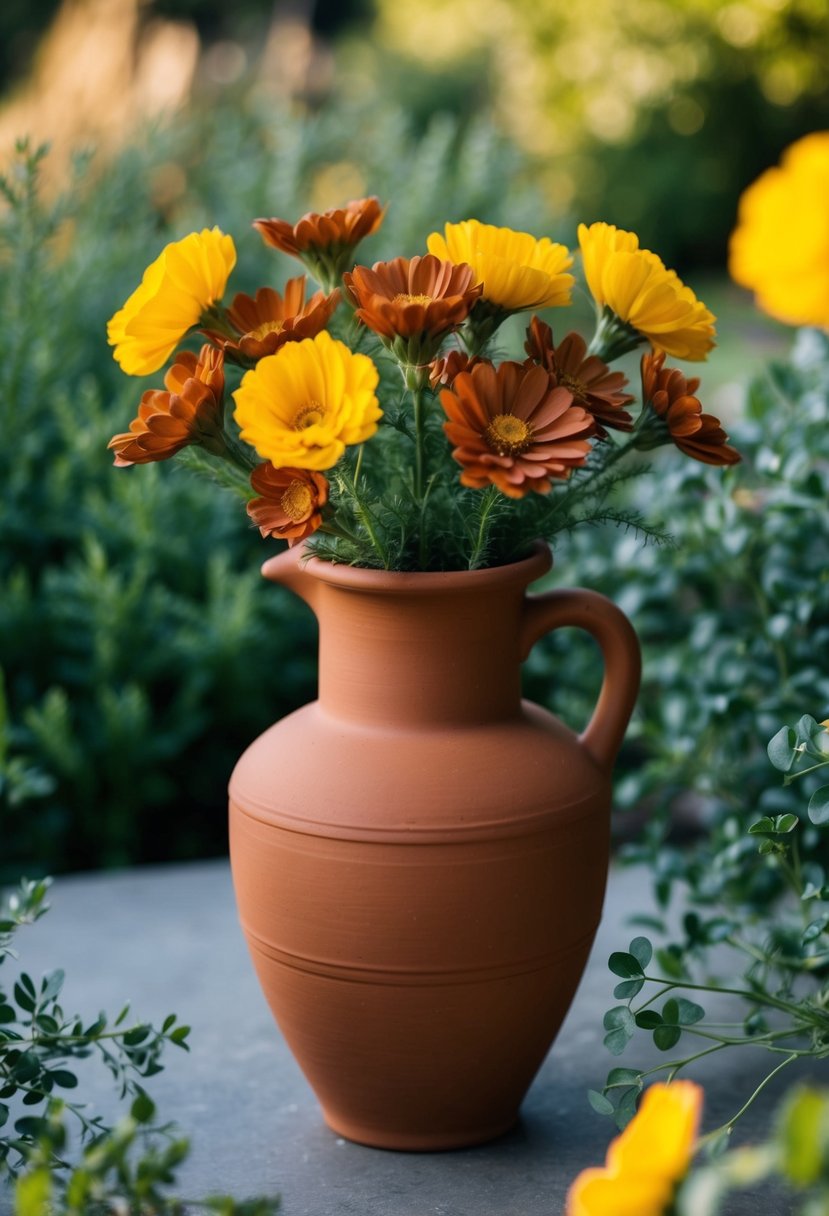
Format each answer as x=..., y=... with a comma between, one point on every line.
x=167, y=939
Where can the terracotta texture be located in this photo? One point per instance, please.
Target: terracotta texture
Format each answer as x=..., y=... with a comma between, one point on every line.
x=419, y=856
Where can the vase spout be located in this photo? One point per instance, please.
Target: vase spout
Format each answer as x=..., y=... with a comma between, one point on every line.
x=287, y=569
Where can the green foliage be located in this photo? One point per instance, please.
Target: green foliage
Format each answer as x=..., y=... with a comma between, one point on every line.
x=780, y=954
x=132, y=1163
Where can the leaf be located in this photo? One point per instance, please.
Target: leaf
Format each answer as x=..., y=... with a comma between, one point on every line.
x=169, y=1022
x=781, y=749
x=51, y=985
x=689, y=1012
x=762, y=827
x=624, y=965
x=642, y=951
x=143, y=1108
x=785, y=823
x=179, y=1035
x=4, y=1114
x=670, y=1012
x=803, y=1127
x=24, y=999
x=7, y=1014
x=32, y=1193
x=647, y=1019
x=600, y=1104
x=137, y=1035
x=666, y=1037
x=64, y=1078
x=623, y=1076
x=628, y=989
x=819, y=806
x=626, y=1108
x=814, y=930
x=670, y=960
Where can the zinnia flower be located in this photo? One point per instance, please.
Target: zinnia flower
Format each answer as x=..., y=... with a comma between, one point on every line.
x=291, y=502
x=300, y=407
x=641, y=297
x=514, y=428
x=190, y=411
x=644, y=1165
x=672, y=397
x=780, y=247
x=412, y=303
x=266, y=321
x=325, y=242
x=187, y=277
x=596, y=388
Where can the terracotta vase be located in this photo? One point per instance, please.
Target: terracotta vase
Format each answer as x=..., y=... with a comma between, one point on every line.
x=419, y=856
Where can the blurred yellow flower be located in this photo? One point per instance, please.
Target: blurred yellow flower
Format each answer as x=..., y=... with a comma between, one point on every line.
x=300, y=407
x=640, y=290
x=647, y=1162
x=518, y=271
x=780, y=247
x=185, y=279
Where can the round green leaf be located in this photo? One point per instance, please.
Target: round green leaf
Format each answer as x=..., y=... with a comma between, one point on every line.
x=666, y=1037
x=600, y=1104
x=819, y=806
x=781, y=749
x=624, y=965
x=689, y=1012
x=670, y=1012
x=648, y=1019
x=642, y=951
x=628, y=989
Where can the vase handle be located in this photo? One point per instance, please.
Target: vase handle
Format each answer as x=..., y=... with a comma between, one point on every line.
x=620, y=649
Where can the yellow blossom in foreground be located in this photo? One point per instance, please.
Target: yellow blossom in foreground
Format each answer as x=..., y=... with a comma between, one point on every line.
x=185, y=279
x=640, y=290
x=301, y=407
x=518, y=271
x=780, y=247
x=646, y=1163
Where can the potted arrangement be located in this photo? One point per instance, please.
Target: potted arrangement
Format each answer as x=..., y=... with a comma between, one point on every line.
x=419, y=856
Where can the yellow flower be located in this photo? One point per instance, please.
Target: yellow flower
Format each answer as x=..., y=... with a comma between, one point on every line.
x=647, y=1162
x=185, y=279
x=637, y=287
x=518, y=271
x=300, y=407
x=780, y=247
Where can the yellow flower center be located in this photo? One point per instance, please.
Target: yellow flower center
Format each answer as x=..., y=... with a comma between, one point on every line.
x=309, y=415
x=508, y=435
x=267, y=327
x=402, y=298
x=297, y=501
x=575, y=386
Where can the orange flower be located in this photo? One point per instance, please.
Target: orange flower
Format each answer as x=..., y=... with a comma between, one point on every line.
x=291, y=502
x=671, y=395
x=325, y=242
x=594, y=387
x=189, y=411
x=268, y=320
x=514, y=428
x=647, y=1162
x=444, y=370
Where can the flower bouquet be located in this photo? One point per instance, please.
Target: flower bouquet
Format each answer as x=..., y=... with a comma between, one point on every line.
x=375, y=419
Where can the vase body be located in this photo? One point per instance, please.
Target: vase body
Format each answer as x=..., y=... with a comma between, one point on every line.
x=419, y=856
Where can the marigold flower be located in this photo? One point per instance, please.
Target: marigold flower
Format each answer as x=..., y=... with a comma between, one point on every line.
x=412, y=303
x=642, y=294
x=190, y=411
x=671, y=395
x=290, y=503
x=517, y=270
x=300, y=407
x=646, y=1163
x=594, y=387
x=514, y=428
x=268, y=320
x=326, y=241
x=780, y=247
x=187, y=277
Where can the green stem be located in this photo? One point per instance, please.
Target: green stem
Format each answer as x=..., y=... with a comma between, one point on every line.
x=787, y=780
x=490, y=496
x=728, y=1126
x=239, y=454
x=756, y=998
x=417, y=399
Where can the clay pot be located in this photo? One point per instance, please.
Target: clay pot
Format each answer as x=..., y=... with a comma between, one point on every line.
x=419, y=856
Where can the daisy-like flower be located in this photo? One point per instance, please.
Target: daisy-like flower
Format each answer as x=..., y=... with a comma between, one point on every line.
x=268, y=320
x=444, y=370
x=641, y=298
x=514, y=428
x=412, y=303
x=600, y=391
x=678, y=415
x=290, y=503
x=647, y=1162
x=517, y=270
x=301, y=407
x=187, y=278
x=325, y=241
x=780, y=247
x=189, y=411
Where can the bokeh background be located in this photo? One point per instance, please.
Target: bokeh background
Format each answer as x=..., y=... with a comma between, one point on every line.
x=139, y=652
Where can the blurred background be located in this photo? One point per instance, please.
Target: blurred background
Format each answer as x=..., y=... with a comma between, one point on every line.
x=138, y=651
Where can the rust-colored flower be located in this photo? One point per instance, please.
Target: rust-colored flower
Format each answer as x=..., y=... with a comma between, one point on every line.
x=326, y=241
x=409, y=297
x=268, y=320
x=188, y=411
x=444, y=370
x=514, y=428
x=594, y=387
x=290, y=503
x=671, y=395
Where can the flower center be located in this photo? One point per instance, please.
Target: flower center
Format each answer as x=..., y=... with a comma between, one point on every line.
x=575, y=386
x=309, y=415
x=267, y=327
x=508, y=435
x=402, y=299
x=297, y=501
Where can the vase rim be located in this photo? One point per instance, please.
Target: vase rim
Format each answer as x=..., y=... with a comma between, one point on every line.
x=524, y=571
